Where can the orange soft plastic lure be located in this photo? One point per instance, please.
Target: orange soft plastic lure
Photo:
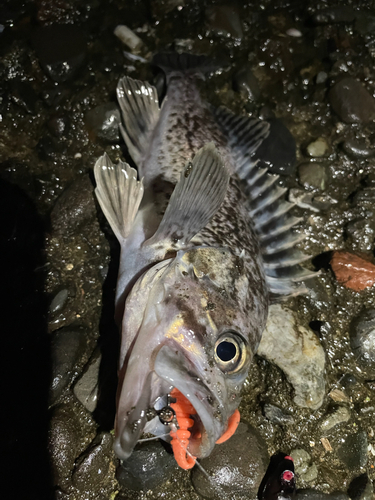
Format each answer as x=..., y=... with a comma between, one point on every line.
x=180, y=438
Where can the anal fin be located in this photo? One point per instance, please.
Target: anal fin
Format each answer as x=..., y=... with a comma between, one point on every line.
x=195, y=200
x=119, y=194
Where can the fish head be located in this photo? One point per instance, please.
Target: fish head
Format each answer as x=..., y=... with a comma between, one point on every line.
x=197, y=333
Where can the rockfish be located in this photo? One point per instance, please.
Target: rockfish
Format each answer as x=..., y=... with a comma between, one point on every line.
x=205, y=242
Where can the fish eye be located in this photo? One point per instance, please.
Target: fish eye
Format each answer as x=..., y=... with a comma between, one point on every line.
x=230, y=352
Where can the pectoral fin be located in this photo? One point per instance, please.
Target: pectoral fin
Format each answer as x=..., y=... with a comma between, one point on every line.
x=119, y=194
x=195, y=200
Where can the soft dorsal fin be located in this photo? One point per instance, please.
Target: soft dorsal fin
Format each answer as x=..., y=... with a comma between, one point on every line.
x=267, y=207
x=140, y=113
x=195, y=200
x=119, y=194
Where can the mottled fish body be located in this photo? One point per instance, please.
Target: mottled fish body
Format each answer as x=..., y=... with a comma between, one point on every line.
x=200, y=255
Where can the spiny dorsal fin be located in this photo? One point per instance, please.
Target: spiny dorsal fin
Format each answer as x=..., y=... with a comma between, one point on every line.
x=140, y=112
x=119, y=194
x=196, y=198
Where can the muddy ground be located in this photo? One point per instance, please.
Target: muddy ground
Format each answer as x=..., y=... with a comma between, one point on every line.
x=281, y=60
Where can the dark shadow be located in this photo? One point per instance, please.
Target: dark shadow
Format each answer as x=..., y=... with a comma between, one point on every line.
x=322, y=261
x=25, y=349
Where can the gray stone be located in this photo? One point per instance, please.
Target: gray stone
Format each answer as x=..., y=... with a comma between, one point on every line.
x=59, y=300
x=317, y=148
x=61, y=50
x=313, y=175
x=310, y=475
x=351, y=101
x=68, y=350
x=302, y=460
x=71, y=431
x=93, y=467
x=353, y=451
x=86, y=387
x=362, y=341
x=321, y=77
x=276, y=415
x=278, y=150
x=296, y=350
x=310, y=494
x=103, y=122
x=149, y=466
x=361, y=488
x=358, y=148
x=340, y=415
x=235, y=467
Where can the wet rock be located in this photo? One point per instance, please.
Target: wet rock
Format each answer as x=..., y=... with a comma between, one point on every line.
x=362, y=341
x=24, y=95
x=297, y=352
x=86, y=387
x=317, y=148
x=352, y=271
x=365, y=198
x=337, y=14
x=237, y=466
x=246, y=84
x=128, y=38
x=74, y=207
x=361, y=234
x=278, y=150
x=60, y=49
x=364, y=23
x=103, y=122
x=311, y=201
x=306, y=471
x=225, y=19
x=310, y=494
x=353, y=451
x=71, y=431
x=68, y=351
x=293, y=32
x=276, y=415
x=361, y=488
x=149, y=466
x=358, y=148
x=321, y=77
x=340, y=415
x=313, y=175
x=351, y=101
x=93, y=472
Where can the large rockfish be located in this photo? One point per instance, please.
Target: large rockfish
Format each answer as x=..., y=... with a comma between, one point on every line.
x=205, y=241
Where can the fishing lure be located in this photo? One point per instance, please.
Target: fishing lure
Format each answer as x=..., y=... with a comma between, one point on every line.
x=183, y=411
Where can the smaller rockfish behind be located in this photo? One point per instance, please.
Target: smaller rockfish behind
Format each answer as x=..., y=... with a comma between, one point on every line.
x=199, y=256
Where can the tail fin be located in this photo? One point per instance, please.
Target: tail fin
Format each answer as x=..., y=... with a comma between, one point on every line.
x=175, y=64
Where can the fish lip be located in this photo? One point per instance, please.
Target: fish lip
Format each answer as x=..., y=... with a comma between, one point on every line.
x=168, y=367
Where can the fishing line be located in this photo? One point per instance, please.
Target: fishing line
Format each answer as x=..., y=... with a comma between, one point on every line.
x=153, y=438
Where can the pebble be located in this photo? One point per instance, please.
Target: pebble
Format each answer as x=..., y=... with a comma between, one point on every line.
x=351, y=101
x=358, y=148
x=321, y=77
x=86, y=387
x=61, y=50
x=352, y=271
x=362, y=341
x=310, y=494
x=246, y=84
x=294, y=32
x=276, y=415
x=71, y=431
x=303, y=467
x=103, y=122
x=353, y=451
x=236, y=466
x=225, y=19
x=150, y=466
x=23, y=94
x=342, y=414
x=92, y=472
x=361, y=488
x=128, y=38
x=68, y=351
x=361, y=234
x=296, y=350
x=59, y=300
x=278, y=150
x=75, y=207
x=313, y=175
x=339, y=14
x=317, y=148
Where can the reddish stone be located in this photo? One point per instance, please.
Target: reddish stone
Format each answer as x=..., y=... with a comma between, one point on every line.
x=353, y=271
